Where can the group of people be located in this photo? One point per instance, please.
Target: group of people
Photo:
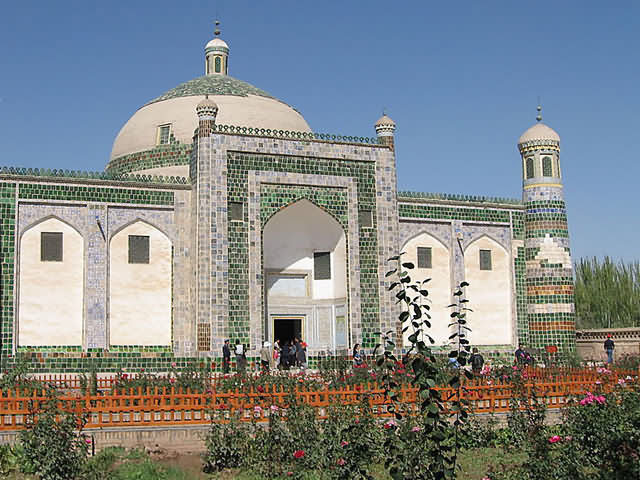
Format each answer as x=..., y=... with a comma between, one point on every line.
x=292, y=353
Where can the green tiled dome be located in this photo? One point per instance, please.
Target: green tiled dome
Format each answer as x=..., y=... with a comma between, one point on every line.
x=213, y=85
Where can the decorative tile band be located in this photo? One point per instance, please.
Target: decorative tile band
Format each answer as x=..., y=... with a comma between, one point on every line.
x=41, y=191
x=416, y=210
x=77, y=174
x=161, y=156
x=408, y=196
x=291, y=135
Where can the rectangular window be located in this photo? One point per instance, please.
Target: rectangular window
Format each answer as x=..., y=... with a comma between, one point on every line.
x=366, y=218
x=138, y=249
x=236, y=213
x=50, y=246
x=530, y=172
x=164, y=134
x=321, y=265
x=547, y=170
x=424, y=257
x=485, y=259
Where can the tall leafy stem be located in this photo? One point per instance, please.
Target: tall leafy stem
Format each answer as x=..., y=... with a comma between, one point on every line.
x=435, y=409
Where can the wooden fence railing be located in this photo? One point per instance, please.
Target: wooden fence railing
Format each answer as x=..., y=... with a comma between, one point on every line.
x=71, y=382
x=171, y=406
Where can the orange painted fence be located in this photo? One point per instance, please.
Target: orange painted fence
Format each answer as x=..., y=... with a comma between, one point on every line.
x=170, y=406
x=71, y=382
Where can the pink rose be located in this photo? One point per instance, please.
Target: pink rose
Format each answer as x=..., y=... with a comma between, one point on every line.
x=416, y=429
x=554, y=439
x=173, y=364
x=344, y=443
x=341, y=461
x=298, y=454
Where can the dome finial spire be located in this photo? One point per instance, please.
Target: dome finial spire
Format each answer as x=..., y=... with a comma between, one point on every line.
x=216, y=32
x=539, y=109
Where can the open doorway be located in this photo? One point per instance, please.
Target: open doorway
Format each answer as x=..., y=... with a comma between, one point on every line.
x=286, y=329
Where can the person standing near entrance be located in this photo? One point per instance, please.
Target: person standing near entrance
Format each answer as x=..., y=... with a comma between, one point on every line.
x=608, y=347
x=301, y=354
x=226, y=356
x=265, y=356
x=240, y=366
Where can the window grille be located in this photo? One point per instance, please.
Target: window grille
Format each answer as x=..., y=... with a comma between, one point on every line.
x=530, y=172
x=50, y=246
x=547, y=170
x=485, y=260
x=322, y=265
x=236, y=211
x=164, y=133
x=138, y=249
x=424, y=257
x=366, y=218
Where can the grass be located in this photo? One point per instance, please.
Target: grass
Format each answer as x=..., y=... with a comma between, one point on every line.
x=119, y=464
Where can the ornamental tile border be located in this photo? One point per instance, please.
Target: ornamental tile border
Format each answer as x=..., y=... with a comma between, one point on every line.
x=40, y=174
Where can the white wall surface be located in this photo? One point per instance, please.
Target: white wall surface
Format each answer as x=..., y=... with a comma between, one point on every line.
x=439, y=287
x=140, y=294
x=294, y=233
x=489, y=294
x=50, y=305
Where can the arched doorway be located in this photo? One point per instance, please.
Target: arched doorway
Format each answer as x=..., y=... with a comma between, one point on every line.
x=305, y=273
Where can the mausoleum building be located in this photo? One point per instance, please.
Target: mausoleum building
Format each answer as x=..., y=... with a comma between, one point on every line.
x=221, y=215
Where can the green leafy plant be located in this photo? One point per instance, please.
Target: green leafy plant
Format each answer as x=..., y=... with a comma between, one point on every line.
x=53, y=445
x=434, y=430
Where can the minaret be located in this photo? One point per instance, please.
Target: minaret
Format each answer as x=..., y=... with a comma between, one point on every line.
x=385, y=129
x=207, y=111
x=216, y=55
x=549, y=270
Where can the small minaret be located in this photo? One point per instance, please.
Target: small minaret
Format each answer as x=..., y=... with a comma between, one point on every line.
x=216, y=55
x=385, y=129
x=549, y=270
x=207, y=111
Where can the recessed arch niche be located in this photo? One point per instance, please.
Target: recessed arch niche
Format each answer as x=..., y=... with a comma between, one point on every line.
x=439, y=287
x=139, y=290
x=489, y=292
x=51, y=290
x=292, y=240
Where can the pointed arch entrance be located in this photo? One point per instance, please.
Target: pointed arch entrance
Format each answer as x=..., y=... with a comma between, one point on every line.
x=305, y=276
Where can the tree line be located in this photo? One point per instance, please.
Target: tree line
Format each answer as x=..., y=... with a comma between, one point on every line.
x=607, y=293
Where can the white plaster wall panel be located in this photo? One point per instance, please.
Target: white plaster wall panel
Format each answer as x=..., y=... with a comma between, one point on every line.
x=439, y=287
x=140, y=294
x=51, y=293
x=489, y=294
x=293, y=234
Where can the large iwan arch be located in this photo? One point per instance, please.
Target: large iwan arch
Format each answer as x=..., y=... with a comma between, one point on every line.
x=305, y=265
x=489, y=292
x=434, y=264
x=140, y=286
x=50, y=306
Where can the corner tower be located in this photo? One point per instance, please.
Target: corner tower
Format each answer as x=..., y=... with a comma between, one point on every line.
x=549, y=269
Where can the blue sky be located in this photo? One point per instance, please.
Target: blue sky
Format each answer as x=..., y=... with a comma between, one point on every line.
x=461, y=80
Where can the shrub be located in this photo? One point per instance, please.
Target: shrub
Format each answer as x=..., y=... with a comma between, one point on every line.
x=53, y=447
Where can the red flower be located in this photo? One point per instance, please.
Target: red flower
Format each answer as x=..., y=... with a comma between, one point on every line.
x=298, y=454
x=260, y=389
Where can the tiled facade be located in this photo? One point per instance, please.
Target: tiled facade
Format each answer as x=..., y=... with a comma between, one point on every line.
x=217, y=278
